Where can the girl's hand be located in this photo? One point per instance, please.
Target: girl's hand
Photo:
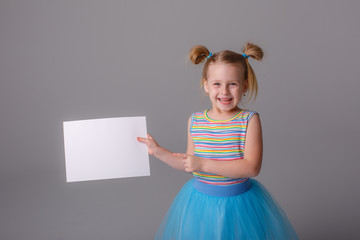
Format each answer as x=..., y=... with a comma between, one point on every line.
x=191, y=163
x=150, y=142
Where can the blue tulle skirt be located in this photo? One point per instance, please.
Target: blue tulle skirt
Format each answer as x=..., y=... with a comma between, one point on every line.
x=250, y=215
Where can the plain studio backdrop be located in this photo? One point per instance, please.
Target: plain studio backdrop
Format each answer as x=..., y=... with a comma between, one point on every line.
x=73, y=60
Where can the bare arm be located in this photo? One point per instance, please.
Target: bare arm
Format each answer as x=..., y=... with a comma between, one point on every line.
x=161, y=153
x=165, y=155
x=248, y=167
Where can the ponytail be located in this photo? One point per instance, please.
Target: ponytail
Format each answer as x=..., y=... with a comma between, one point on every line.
x=198, y=54
x=253, y=51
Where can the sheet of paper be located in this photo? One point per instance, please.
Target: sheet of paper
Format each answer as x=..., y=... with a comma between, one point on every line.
x=105, y=148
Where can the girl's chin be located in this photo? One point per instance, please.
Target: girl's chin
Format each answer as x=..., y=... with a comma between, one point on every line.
x=228, y=105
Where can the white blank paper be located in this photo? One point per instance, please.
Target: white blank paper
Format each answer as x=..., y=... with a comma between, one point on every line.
x=105, y=148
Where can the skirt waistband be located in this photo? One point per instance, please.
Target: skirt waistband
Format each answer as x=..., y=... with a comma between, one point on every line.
x=222, y=190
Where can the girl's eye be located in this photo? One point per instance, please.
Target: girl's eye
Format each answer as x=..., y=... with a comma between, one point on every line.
x=217, y=84
x=233, y=84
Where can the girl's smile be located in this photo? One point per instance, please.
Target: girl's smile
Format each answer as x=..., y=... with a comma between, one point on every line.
x=225, y=101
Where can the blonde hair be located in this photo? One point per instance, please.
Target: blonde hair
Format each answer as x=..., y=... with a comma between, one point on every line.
x=200, y=53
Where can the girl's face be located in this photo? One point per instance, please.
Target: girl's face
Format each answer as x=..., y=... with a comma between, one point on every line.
x=225, y=85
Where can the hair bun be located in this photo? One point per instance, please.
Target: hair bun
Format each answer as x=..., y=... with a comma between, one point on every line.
x=198, y=54
x=253, y=51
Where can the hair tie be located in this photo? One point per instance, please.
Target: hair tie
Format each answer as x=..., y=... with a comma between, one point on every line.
x=210, y=54
x=245, y=56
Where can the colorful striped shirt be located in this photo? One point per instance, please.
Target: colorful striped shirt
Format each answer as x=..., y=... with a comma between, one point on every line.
x=220, y=140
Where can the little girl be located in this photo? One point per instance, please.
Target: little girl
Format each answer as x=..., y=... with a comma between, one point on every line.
x=224, y=153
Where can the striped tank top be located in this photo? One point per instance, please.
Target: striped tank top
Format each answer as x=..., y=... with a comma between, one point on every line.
x=220, y=140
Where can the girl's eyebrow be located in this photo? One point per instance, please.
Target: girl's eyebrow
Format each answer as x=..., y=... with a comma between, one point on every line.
x=216, y=80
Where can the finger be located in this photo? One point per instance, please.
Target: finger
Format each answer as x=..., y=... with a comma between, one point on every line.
x=140, y=139
x=182, y=155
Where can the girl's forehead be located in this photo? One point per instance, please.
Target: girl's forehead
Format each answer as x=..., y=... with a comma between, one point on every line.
x=224, y=71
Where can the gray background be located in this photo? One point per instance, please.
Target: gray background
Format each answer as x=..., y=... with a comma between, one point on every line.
x=71, y=60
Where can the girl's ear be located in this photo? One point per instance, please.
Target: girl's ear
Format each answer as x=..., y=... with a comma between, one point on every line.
x=206, y=88
x=246, y=85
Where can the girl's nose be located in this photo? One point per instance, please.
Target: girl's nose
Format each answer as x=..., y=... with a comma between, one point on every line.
x=224, y=90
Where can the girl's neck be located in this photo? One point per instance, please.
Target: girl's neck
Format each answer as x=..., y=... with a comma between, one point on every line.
x=215, y=114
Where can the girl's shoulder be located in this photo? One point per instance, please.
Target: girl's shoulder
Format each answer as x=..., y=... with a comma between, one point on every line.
x=247, y=114
x=200, y=112
x=197, y=116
